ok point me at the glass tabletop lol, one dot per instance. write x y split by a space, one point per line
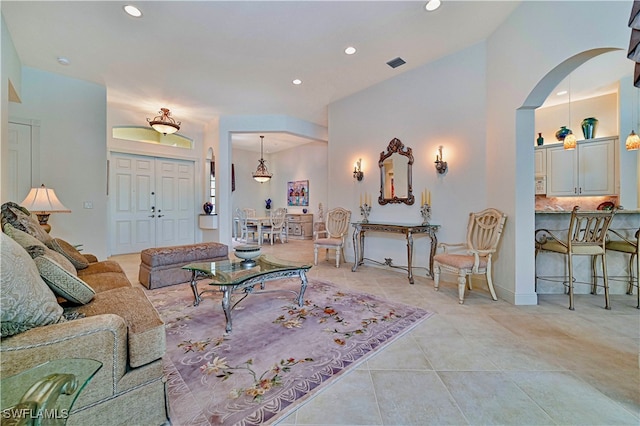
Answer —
232 272
15 387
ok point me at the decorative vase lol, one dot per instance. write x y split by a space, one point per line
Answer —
562 133
267 203
540 139
207 207
589 126
304 211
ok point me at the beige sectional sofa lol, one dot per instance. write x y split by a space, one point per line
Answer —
49 312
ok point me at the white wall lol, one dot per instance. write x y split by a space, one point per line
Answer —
519 56
73 158
306 162
442 103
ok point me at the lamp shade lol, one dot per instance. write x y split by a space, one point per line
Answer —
633 142
43 200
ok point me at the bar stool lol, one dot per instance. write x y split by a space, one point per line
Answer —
586 237
619 242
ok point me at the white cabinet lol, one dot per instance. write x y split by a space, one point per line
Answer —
540 156
588 170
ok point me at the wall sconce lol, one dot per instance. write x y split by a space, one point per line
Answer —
357 170
441 166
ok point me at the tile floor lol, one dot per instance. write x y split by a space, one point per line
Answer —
483 362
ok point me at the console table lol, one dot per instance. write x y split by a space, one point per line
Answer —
397 228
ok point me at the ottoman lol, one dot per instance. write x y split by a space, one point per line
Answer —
162 266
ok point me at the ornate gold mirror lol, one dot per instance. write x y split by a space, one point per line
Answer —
395 174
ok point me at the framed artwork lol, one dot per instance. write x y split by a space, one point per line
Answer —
298 193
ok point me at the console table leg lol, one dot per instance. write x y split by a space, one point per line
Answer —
410 256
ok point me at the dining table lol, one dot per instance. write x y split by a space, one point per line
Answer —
260 221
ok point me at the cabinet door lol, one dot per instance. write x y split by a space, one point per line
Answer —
561 172
596 168
540 157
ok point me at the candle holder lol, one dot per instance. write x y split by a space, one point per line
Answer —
425 211
365 209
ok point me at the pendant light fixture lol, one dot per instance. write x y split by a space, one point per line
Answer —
163 123
570 140
261 174
633 140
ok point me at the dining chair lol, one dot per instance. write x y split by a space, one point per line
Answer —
484 230
619 240
586 236
276 225
336 227
245 228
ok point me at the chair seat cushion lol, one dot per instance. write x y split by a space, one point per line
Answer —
459 261
622 246
328 242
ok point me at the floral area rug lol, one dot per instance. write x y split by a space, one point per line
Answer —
277 354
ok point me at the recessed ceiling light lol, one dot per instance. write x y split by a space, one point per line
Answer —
350 50
562 92
132 11
432 5
63 61
297 82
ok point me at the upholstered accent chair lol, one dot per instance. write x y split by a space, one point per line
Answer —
620 241
586 236
275 228
336 227
475 256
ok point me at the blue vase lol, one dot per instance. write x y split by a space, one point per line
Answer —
589 126
207 207
562 133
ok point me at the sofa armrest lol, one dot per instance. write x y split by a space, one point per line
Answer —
101 337
90 258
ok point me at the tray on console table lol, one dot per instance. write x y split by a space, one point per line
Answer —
360 228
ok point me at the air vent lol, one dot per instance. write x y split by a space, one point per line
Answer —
395 63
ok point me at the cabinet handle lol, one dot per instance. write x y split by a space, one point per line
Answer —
153 215
580 191
575 190
160 215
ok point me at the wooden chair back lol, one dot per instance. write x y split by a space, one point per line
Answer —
484 230
337 222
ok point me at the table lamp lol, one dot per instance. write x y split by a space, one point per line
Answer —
42 202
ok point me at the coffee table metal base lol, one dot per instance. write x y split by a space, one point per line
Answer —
248 287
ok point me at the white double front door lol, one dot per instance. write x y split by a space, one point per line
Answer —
152 202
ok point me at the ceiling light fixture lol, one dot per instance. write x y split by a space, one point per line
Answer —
261 174
350 50
163 123
297 82
132 11
63 61
432 5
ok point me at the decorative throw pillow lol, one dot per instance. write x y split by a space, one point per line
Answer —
62 282
36 248
20 218
25 301
68 251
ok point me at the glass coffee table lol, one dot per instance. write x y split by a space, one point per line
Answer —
241 276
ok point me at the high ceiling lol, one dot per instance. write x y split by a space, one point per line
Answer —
203 59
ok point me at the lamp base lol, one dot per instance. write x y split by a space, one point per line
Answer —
42 219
